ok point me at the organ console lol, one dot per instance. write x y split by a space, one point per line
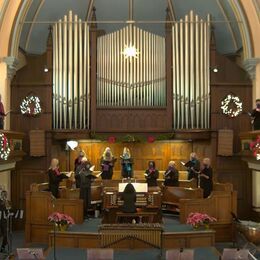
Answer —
148 202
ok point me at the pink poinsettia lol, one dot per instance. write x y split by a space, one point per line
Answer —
61 218
199 218
255 147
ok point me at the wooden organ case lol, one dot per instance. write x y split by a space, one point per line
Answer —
148 205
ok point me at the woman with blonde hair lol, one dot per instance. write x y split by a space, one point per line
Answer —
171 175
55 177
206 181
127 163
107 164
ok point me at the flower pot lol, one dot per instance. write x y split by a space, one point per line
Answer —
62 227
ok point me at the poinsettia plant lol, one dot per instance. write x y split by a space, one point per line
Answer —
255 147
197 218
61 219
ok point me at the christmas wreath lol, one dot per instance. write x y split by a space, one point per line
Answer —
231 105
5 150
31 106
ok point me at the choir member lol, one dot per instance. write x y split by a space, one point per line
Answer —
127 163
171 175
107 164
206 182
255 114
78 160
129 199
2 113
193 166
55 177
86 177
4 205
77 167
151 174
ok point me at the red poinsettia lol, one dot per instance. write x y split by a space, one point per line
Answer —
150 139
255 147
111 139
199 218
61 218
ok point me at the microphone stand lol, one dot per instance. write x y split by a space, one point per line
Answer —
9 232
54 230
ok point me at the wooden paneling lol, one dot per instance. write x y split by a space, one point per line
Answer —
160 152
132 120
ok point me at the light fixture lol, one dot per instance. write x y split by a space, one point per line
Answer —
45 69
72 144
130 52
215 69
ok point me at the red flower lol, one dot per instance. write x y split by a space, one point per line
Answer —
150 139
111 139
61 218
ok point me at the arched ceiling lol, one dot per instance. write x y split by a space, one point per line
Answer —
34 36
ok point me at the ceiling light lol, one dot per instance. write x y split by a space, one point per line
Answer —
215 69
130 52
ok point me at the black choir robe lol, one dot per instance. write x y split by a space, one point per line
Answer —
206 184
171 177
107 168
54 181
151 177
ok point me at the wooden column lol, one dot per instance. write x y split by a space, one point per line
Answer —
93 70
168 61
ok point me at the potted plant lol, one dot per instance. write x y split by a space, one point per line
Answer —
61 220
197 220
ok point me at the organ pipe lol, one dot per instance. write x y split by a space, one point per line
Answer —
71 76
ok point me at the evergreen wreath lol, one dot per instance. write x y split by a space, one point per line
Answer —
31 106
231 105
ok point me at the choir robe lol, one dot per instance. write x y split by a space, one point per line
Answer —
206 184
256 123
195 166
54 181
171 177
107 168
152 176
129 202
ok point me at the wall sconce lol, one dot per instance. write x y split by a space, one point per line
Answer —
45 69
215 69
72 144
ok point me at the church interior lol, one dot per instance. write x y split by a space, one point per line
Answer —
130 129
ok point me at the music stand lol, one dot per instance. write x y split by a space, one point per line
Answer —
29 253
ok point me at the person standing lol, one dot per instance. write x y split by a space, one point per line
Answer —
107 164
127 164
151 174
55 177
4 204
193 166
86 177
77 167
206 181
171 175
255 114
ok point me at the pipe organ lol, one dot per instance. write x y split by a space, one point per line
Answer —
131 81
136 82
71 77
191 83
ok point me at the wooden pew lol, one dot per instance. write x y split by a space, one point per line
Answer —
172 195
39 205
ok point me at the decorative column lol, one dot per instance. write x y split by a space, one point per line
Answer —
12 64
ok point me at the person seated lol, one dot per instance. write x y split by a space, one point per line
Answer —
171 175
86 177
127 163
107 164
206 181
151 174
129 198
55 177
